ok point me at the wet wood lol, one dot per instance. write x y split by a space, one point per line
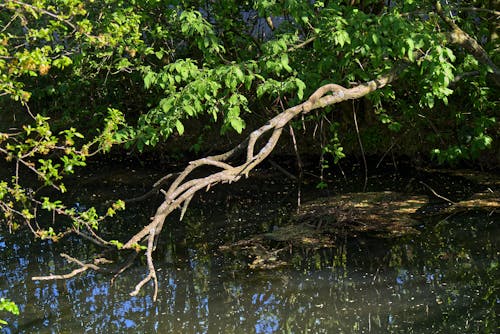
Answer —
321 221
381 212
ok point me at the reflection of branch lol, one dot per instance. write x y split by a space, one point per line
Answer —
83 267
435 193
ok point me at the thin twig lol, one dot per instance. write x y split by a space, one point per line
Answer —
151 269
360 146
385 153
153 191
43 11
83 267
299 166
282 170
127 265
183 188
301 45
436 194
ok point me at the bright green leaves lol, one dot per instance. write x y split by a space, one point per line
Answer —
438 72
62 62
301 86
35 38
341 37
49 170
189 91
385 118
39 141
335 26
232 118
68 135
333 146
479 143
116 243
277 66
7 306
51 156
180 127
194 25
91 218
111 134
276 61
279 88
51 206
149 78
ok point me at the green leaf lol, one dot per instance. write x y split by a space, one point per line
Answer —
237 124
118 244
301 86
284 62
149 79
123 63
9 306
239 74
179 126
159 54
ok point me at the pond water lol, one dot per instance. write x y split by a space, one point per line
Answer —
444 279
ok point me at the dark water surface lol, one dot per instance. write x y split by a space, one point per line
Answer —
444 280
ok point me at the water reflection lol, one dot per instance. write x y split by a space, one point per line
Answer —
443 280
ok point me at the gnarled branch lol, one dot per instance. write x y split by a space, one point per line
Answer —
182 189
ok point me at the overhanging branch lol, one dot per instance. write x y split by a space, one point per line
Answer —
182 189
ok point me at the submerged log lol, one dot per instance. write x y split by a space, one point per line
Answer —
387 213
488 201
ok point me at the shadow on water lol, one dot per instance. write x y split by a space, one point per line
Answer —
444 279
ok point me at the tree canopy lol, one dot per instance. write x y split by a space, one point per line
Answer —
80 78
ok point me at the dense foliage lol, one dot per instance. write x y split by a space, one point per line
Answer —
79 77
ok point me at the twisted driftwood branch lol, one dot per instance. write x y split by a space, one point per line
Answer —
182 189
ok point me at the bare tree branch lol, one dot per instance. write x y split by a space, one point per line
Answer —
183 189
83 267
